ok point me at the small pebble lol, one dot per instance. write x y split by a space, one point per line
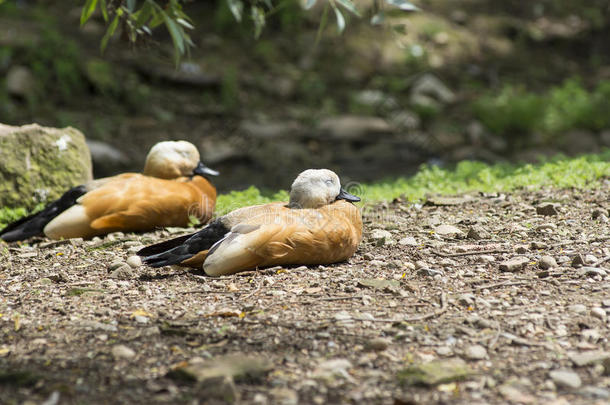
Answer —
378 344
515 264
547 209
590 259
547 262
598 313
577 308
123 352
408 241
565 378
475 352
597 212
134 261
486 259
115 265
124 272
538 245
578 261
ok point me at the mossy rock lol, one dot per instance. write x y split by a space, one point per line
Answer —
38 164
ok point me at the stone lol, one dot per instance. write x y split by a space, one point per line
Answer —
577 308
381 237
599 313
466 300
123 352
486 259
330 369
123 272
477 233
590 259
238 367
594 392
408 241
95 325
38 164
515 264
536 245
444 351
565 378
521 249
578 260
548 227
20 82
115 265
547 209
134 261
588 358
429 91
353 127
378 344
284 396
378 283
448 231
597 212
475 352
440 201
430 272
547 262
221 388
592 271
435 372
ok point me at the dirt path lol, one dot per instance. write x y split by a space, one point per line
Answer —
419 315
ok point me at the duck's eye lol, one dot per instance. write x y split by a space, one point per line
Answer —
329 183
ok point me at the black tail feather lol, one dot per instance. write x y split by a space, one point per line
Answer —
163 246
34 224
177 250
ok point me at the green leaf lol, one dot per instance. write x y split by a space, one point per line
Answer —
349 6
88 9
177 34
237 8
403 5
309 4
184 23
104 8
143 15
110 32
258 16
323 21
340 20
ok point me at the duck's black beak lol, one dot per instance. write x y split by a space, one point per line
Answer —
203 170
344 195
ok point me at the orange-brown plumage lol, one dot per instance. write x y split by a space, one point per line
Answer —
327 230
139 202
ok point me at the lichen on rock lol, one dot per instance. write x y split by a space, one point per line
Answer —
38 164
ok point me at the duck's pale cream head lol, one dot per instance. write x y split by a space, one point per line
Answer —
315 188
173 159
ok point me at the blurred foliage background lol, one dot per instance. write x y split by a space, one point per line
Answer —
290 85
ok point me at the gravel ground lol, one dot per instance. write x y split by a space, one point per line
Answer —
472 299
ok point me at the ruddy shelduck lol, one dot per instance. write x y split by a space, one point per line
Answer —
319 225
170 191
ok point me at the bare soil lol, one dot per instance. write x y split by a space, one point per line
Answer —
78 325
